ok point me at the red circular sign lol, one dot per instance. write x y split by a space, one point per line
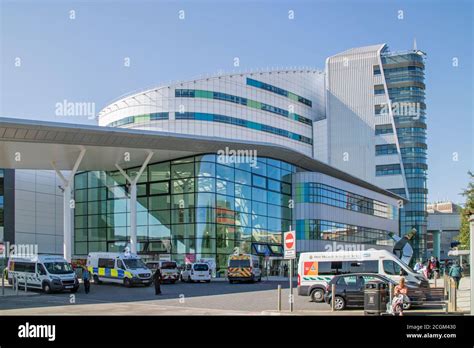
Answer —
289 240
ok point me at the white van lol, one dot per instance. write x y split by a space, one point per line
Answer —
316 269
196 272
243 267
122 268
47 272
169 270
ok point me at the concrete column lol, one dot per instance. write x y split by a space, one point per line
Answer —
133 217
67 231
68 184
436 243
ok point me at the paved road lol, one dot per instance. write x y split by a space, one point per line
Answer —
215 298
179 298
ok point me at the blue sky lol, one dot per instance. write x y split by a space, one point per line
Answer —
82 59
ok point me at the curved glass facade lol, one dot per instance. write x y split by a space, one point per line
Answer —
316 229
189 208
312 192
1 204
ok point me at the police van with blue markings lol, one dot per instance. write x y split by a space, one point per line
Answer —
122 268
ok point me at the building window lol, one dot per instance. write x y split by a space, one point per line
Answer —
279 91
325 194
383 129
192 208
379 90
385 149
315 229
242 123
388 169
189 93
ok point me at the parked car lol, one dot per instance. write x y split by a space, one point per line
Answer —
350 290
169 270
196 272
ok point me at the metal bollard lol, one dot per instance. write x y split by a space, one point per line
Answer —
390 293
17 286
445 282
279 298
25 284
454 291
3 285
333 296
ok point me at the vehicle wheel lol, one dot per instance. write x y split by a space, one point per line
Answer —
96 279
208 281
73 291
181 278
259 279
317 295
339 303
252 279
127 282
147 284
46 288
406 306
173 281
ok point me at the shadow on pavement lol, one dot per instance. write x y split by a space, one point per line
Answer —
114 293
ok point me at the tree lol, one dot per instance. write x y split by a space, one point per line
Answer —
466 212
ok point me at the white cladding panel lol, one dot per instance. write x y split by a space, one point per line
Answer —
38 210
308 84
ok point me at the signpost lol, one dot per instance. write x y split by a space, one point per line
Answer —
267 259
289 244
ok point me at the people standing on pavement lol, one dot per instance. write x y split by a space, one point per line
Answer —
437 268
157 281
418 266
86 278
425 271
431 266
456 273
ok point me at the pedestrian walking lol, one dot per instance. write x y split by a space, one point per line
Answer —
157 281
456 273
86 278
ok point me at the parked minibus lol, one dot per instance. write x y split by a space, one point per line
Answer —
50 273
316 269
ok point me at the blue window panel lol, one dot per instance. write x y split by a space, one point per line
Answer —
277 90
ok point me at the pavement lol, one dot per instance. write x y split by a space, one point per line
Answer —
463 299
215 298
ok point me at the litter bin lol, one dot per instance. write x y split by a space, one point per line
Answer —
375 297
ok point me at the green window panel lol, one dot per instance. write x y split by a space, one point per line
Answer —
254 104
203 94
142 118
292 96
